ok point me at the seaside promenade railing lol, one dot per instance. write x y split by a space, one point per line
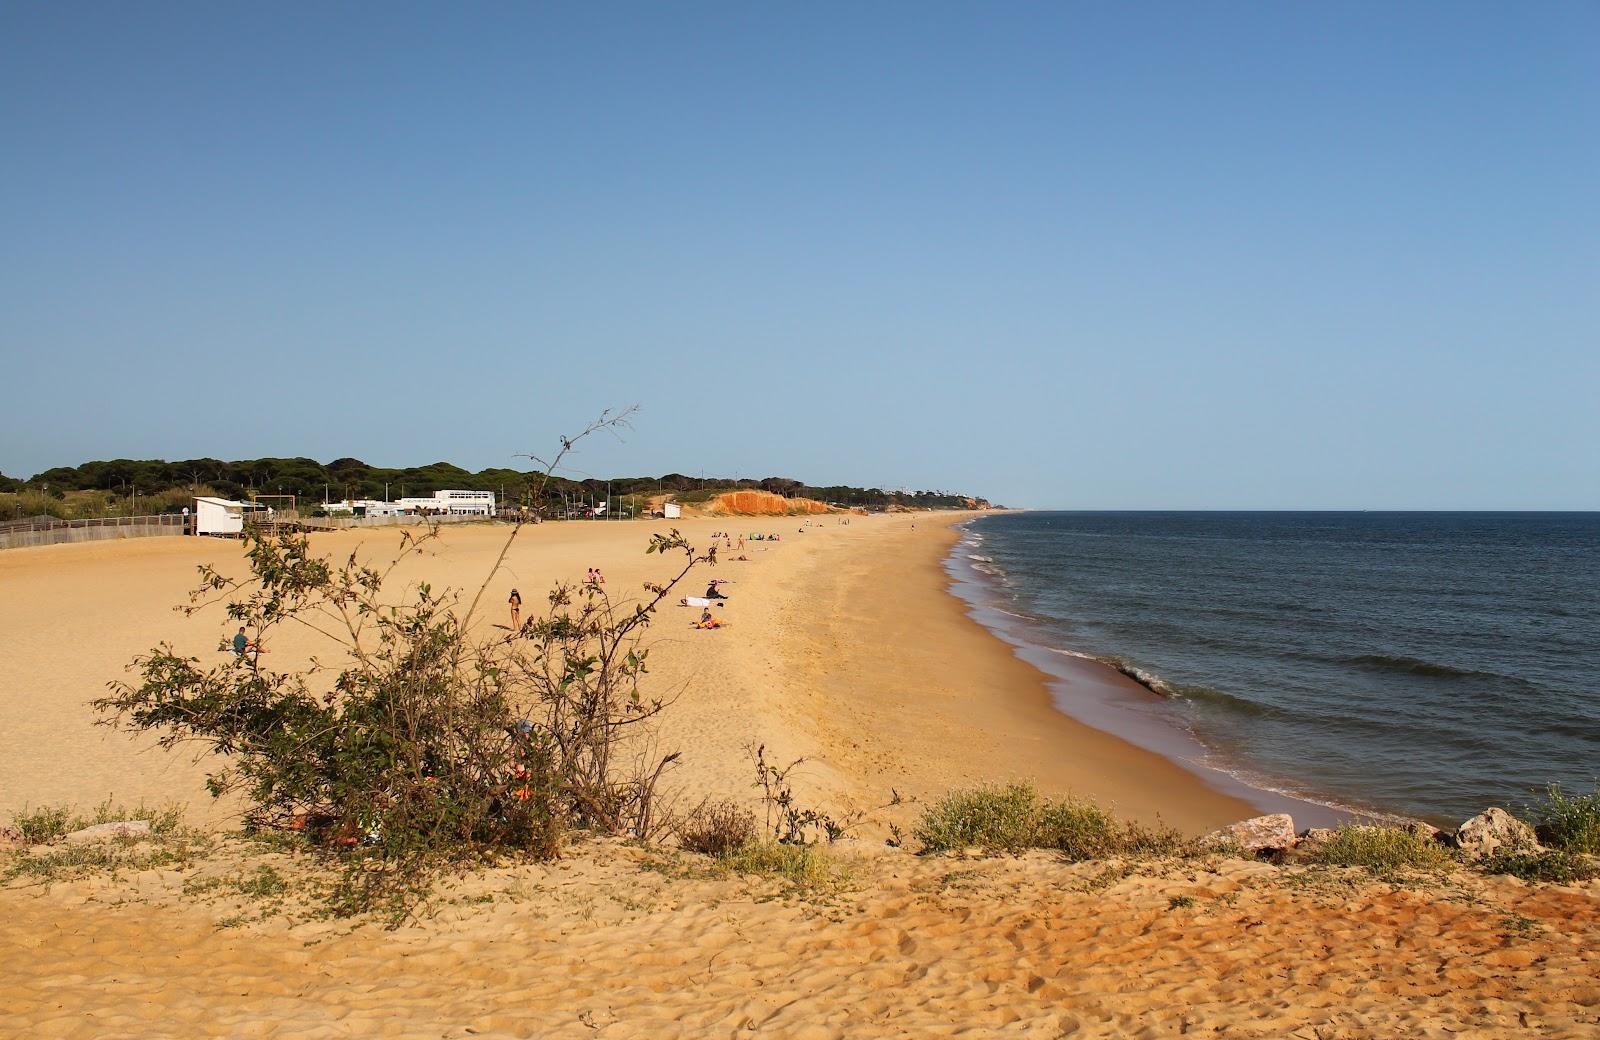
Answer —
52 531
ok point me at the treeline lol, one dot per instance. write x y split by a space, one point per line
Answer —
353 479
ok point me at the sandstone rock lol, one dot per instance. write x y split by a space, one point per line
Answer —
107 831
1494 830
1318 835
1262 832
1425 831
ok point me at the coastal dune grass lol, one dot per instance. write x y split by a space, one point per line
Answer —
1012 818
1382 850
1570 824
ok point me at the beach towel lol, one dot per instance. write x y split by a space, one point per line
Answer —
696 601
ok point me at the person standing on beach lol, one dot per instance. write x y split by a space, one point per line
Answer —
516 610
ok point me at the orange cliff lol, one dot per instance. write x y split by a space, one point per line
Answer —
765 503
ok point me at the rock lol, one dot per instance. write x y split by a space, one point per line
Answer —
1318 835
1425 831
106 831
1495 830
1262 832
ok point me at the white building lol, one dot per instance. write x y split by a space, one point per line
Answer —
363 507
453 503
221 516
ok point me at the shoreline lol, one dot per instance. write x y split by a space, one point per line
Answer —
846 648
1098 694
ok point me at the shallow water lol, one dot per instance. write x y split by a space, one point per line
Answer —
1424 664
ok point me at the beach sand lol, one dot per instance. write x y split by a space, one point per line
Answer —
844 649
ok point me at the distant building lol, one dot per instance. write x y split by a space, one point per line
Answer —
452 503
221 516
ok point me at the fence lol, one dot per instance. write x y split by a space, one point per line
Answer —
50 531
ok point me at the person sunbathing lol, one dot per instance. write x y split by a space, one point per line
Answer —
707 621
712 592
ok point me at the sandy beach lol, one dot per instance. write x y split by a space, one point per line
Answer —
845 649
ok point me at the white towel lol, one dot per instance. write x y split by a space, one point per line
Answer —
696 601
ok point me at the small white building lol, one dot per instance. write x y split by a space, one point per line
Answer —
220 516
671 510
452 503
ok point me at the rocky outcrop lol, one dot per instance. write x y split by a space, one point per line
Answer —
1253 835
1492 831
107 831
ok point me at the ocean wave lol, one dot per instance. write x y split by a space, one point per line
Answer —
980 559
1416 666
1175 691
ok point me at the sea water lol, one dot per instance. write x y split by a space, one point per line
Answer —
1417 664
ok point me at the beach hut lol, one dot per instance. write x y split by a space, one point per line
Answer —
219 516
671 510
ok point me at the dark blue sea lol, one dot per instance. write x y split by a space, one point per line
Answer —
1417 664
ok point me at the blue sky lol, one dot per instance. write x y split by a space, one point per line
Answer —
1070 255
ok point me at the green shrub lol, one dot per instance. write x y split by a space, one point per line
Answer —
997 819
1013 818
1570 824
1078 830
44 824
1557 865
1381 849
803 866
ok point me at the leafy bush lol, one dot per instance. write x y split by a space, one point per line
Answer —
1381 849
718 829
994 818
414 739
1557 865
1570 824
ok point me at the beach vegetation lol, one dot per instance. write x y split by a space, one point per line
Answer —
789 821
1382 850
170 844
1012 818
1568 822
803 867
1553 865
717 828
994 818
416 739
50 822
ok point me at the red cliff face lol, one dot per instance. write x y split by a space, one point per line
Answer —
764 503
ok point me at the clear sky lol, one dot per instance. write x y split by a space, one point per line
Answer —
1074 255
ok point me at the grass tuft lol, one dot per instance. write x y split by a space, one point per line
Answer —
1569 824
994 818
1556 865
1382 849
1014 818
